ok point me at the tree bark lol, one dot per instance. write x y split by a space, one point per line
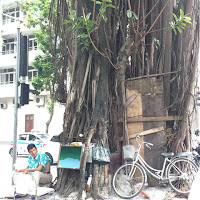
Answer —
122 48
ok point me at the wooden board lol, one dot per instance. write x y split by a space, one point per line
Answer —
147 132
153 119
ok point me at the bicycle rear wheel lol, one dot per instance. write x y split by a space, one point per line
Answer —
181 174
128 180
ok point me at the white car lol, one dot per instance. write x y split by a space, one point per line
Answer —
51 147
26 138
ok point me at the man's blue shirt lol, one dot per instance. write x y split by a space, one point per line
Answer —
41 158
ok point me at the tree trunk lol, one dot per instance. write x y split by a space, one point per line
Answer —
188 68
122 47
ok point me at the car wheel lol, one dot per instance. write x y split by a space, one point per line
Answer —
50 156
11 152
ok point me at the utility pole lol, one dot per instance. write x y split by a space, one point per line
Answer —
16 101
21 70
16 89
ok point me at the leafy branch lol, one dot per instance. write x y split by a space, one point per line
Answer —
180 22
85 26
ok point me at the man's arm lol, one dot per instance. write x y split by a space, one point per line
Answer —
39 168
21 170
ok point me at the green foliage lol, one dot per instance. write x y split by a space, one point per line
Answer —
84 25
37 17
45 78
50 106
180 22
131 14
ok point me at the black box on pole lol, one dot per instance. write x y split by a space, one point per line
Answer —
24 97
23 62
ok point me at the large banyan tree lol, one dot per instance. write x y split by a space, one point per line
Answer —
104 42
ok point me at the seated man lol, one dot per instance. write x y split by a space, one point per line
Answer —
38 166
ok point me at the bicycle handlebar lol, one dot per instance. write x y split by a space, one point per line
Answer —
139 144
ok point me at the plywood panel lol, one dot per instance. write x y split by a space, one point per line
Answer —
148 104
133 110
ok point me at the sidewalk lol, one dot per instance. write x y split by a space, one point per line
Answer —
155 193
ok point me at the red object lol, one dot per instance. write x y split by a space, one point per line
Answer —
42 145
115 162
146 195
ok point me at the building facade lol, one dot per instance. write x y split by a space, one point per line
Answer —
35 114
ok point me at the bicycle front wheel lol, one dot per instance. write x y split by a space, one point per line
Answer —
181 174
128 180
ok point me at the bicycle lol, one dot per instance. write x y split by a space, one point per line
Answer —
129 178
194 156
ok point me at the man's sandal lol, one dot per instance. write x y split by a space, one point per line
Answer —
19 196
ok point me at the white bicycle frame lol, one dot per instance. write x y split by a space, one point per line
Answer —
157 174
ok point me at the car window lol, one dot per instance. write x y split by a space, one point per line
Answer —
55 138
43 136
23 137
32 137
37 138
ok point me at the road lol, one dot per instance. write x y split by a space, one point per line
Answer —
6 165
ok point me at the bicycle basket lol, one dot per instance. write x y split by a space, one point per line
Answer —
129 152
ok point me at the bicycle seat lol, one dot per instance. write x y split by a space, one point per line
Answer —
183 154
168 155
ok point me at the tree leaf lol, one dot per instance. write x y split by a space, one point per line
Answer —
73 13
89 24
67 21
110 1
109 5
186 17
97 2
88 16
128 13
175 17
93 29
183 24
105 18
183 27
70 28
187 20
134 15
175 32
181 13
179 29
102 10
83 35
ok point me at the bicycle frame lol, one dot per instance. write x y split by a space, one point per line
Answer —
157 174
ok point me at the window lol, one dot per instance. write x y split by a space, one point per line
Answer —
31 73
9 46
22 137
32 43
7 76
14 12
32 137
